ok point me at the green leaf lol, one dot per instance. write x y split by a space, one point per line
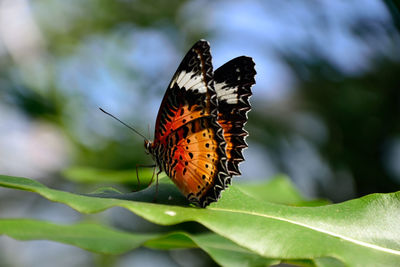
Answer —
88 236
93 175
101 239
328 262
279 190
227 253
359 232
222 250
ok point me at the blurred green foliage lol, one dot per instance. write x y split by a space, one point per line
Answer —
359 112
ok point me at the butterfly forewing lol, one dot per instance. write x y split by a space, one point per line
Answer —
187 96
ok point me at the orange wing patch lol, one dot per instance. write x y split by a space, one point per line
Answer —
194 159
234 135
176 118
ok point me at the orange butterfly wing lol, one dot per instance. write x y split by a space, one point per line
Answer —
189 144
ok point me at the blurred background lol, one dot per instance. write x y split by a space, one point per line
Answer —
326 106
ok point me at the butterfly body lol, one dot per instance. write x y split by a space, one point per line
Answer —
199 133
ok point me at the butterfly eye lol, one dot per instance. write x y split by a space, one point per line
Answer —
147 146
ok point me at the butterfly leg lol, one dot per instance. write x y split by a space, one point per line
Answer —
152 176
156 194
137 174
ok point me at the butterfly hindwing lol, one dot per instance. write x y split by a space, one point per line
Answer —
194 165
233 82
189 144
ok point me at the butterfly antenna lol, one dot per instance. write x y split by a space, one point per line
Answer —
109 114
148 129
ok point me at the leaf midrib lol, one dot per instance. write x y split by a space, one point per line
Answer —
358 242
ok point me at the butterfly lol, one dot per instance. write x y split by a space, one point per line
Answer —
199 135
